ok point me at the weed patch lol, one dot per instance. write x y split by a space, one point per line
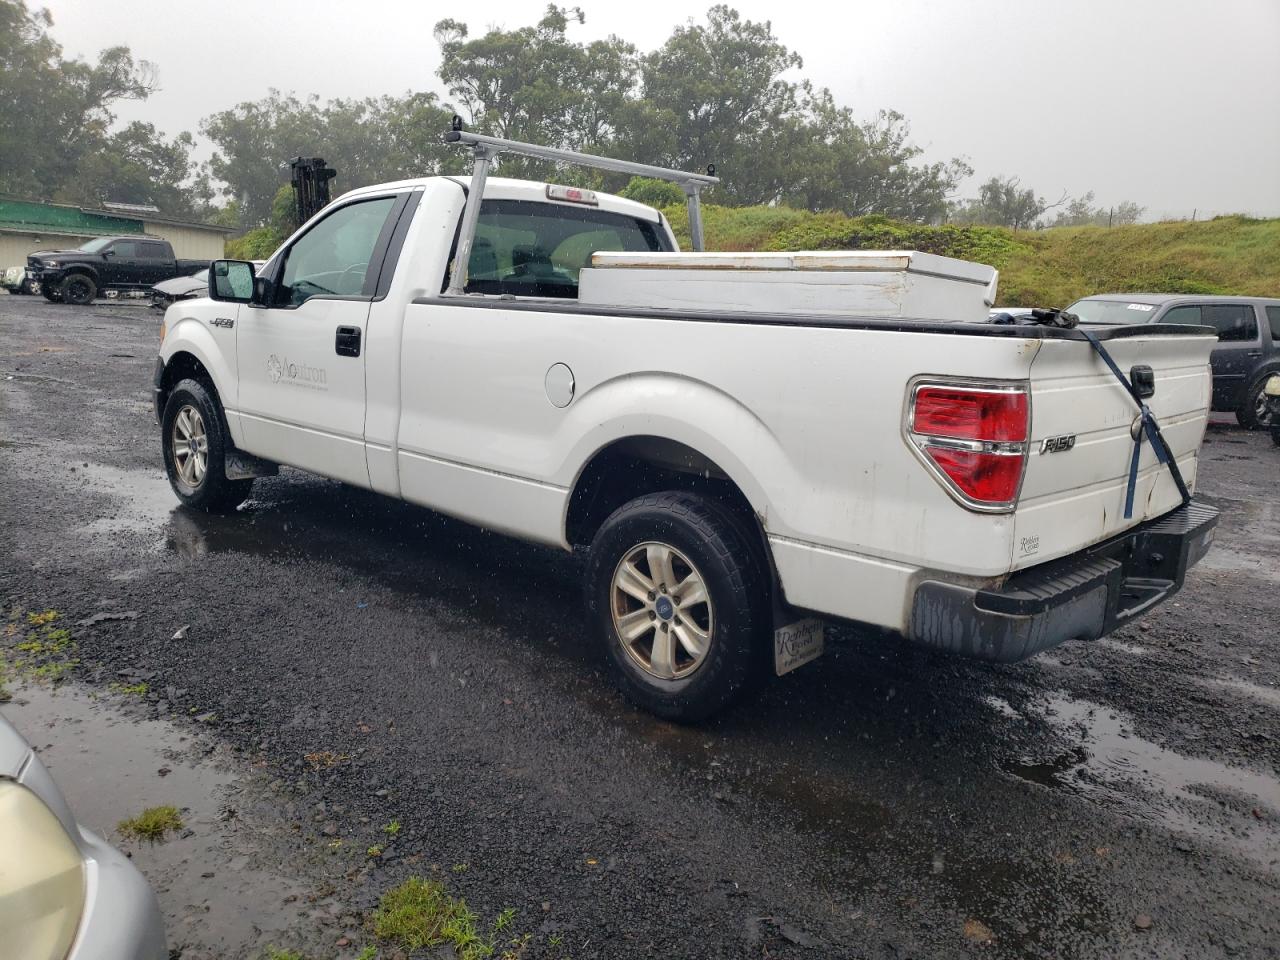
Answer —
129 689
37 648
152 824
420 913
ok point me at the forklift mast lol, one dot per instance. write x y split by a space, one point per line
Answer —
310 182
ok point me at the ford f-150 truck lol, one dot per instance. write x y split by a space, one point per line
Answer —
740 445
107 264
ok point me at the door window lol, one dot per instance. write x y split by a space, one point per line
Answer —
1189 315
332 259
1235 322
125 249
150 251
1273 317
530 249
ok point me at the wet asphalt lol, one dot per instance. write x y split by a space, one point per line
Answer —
1114 799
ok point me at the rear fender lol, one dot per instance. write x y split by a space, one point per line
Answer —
687 411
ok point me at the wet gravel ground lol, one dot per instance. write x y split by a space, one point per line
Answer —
1115 799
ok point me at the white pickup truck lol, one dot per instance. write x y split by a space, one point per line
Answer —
732 468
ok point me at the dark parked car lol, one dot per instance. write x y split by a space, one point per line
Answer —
107 263
1248 350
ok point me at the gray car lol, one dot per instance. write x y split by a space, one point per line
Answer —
65 894
1248 350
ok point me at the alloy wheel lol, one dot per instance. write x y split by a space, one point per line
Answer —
662 612
190 446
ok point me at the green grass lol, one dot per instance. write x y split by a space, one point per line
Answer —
129 689
420 913
44 652
1227 255
152 824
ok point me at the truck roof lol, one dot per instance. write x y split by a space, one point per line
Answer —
503 188
1160 299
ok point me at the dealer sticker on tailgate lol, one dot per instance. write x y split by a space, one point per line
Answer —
796 644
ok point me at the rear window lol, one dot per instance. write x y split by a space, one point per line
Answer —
528 249
1115 312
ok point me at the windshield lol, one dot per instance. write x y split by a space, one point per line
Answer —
95 245
1115 312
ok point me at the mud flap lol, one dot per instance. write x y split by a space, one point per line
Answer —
242 466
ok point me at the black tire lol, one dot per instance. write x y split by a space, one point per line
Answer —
207 488
1275 434
78 289
1254 412
720 549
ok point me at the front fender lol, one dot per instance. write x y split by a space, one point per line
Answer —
187 333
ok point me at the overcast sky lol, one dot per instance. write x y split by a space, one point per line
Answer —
1174 104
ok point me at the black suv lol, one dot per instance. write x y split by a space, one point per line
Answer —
1248 350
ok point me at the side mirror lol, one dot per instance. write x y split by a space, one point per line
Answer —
108 253
231 281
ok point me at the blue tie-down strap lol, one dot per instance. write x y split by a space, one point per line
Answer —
1150 429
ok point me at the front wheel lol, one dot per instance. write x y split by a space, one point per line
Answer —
195 448
677 593
78 289
1255 411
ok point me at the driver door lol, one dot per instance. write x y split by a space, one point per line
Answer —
301 357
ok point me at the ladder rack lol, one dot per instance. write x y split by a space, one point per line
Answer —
485 150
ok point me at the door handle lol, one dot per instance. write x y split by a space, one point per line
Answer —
1254 353
347 342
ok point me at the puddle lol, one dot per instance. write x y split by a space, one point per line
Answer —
1002 707
1110 765
1254 691
143 497
220 895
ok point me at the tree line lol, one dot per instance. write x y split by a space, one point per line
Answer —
718 91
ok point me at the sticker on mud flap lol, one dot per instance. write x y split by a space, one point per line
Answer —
796 644
1144 307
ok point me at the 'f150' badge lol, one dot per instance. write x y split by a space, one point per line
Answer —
1058 444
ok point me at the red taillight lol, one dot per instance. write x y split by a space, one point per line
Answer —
987 477
971 414
974 438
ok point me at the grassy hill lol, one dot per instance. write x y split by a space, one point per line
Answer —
1228 255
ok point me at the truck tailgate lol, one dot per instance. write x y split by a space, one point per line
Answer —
1073 495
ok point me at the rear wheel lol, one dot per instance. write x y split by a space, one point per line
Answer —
677 594
195 447
78 289
1255 411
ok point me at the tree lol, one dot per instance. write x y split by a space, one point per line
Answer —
55 112
136 165
1003 202
721 87
366 141
536 84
